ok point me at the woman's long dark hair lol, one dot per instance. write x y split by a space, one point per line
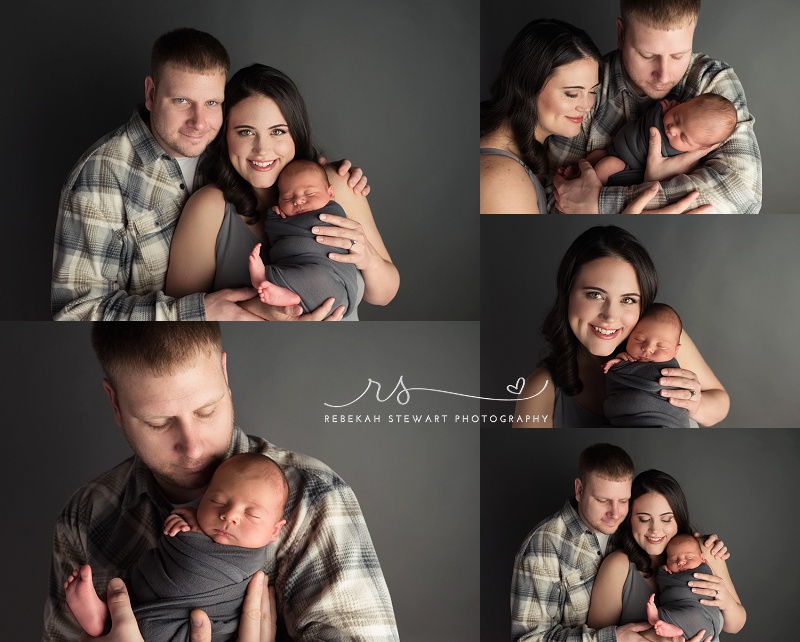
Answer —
257 80
651 481
533 56
595 243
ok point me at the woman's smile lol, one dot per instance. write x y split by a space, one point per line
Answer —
262 166
606 333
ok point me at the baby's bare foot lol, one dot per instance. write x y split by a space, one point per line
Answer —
258 273
667 630
89 610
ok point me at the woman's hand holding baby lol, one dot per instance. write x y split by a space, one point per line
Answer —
347 234
688 393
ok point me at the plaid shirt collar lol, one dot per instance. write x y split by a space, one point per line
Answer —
144 143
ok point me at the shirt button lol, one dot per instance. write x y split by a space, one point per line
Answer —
183 186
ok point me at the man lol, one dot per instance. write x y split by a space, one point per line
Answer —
555 567
168 388
654 60
122 200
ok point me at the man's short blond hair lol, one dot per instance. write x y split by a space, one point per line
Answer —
660 14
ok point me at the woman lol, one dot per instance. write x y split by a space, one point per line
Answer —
605 281
545 87
266 126
627 577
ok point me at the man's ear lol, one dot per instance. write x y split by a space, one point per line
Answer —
225 371
620 33
149 92
578 488
112 396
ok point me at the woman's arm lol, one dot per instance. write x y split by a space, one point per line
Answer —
536 400
721 593
605 608
506 187
192 254
368 254
710 403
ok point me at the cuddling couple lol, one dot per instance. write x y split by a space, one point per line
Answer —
649 124
159 220
622 562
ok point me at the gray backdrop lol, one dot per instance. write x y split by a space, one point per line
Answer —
732 279
417 483
740 487
388 85
758 39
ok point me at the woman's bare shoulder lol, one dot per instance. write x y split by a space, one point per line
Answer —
506 187
536 401
207 196
617 561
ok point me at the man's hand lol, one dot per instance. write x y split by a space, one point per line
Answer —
123 623
355 176
715 545
663 168
637 205
579 195
631 632
222 305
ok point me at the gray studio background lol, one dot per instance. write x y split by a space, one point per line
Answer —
390 86
736 487
758 39
733 280
417 483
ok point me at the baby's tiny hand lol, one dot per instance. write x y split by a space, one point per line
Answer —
610 364
175 524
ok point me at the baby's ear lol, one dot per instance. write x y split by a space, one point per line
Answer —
277 529
330 191
678 347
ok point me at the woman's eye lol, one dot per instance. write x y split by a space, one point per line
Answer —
278 132
594 295
569 95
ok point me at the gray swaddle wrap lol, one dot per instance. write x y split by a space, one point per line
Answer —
633 397
191 571
681 607
631 144
299 263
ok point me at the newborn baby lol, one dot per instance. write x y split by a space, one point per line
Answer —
633 393
705 121
681 613
296 261
205 558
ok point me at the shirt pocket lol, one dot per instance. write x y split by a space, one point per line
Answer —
578 588
151 233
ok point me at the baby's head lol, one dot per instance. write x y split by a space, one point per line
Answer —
303 186
701 121
683 554
657 335
244 503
